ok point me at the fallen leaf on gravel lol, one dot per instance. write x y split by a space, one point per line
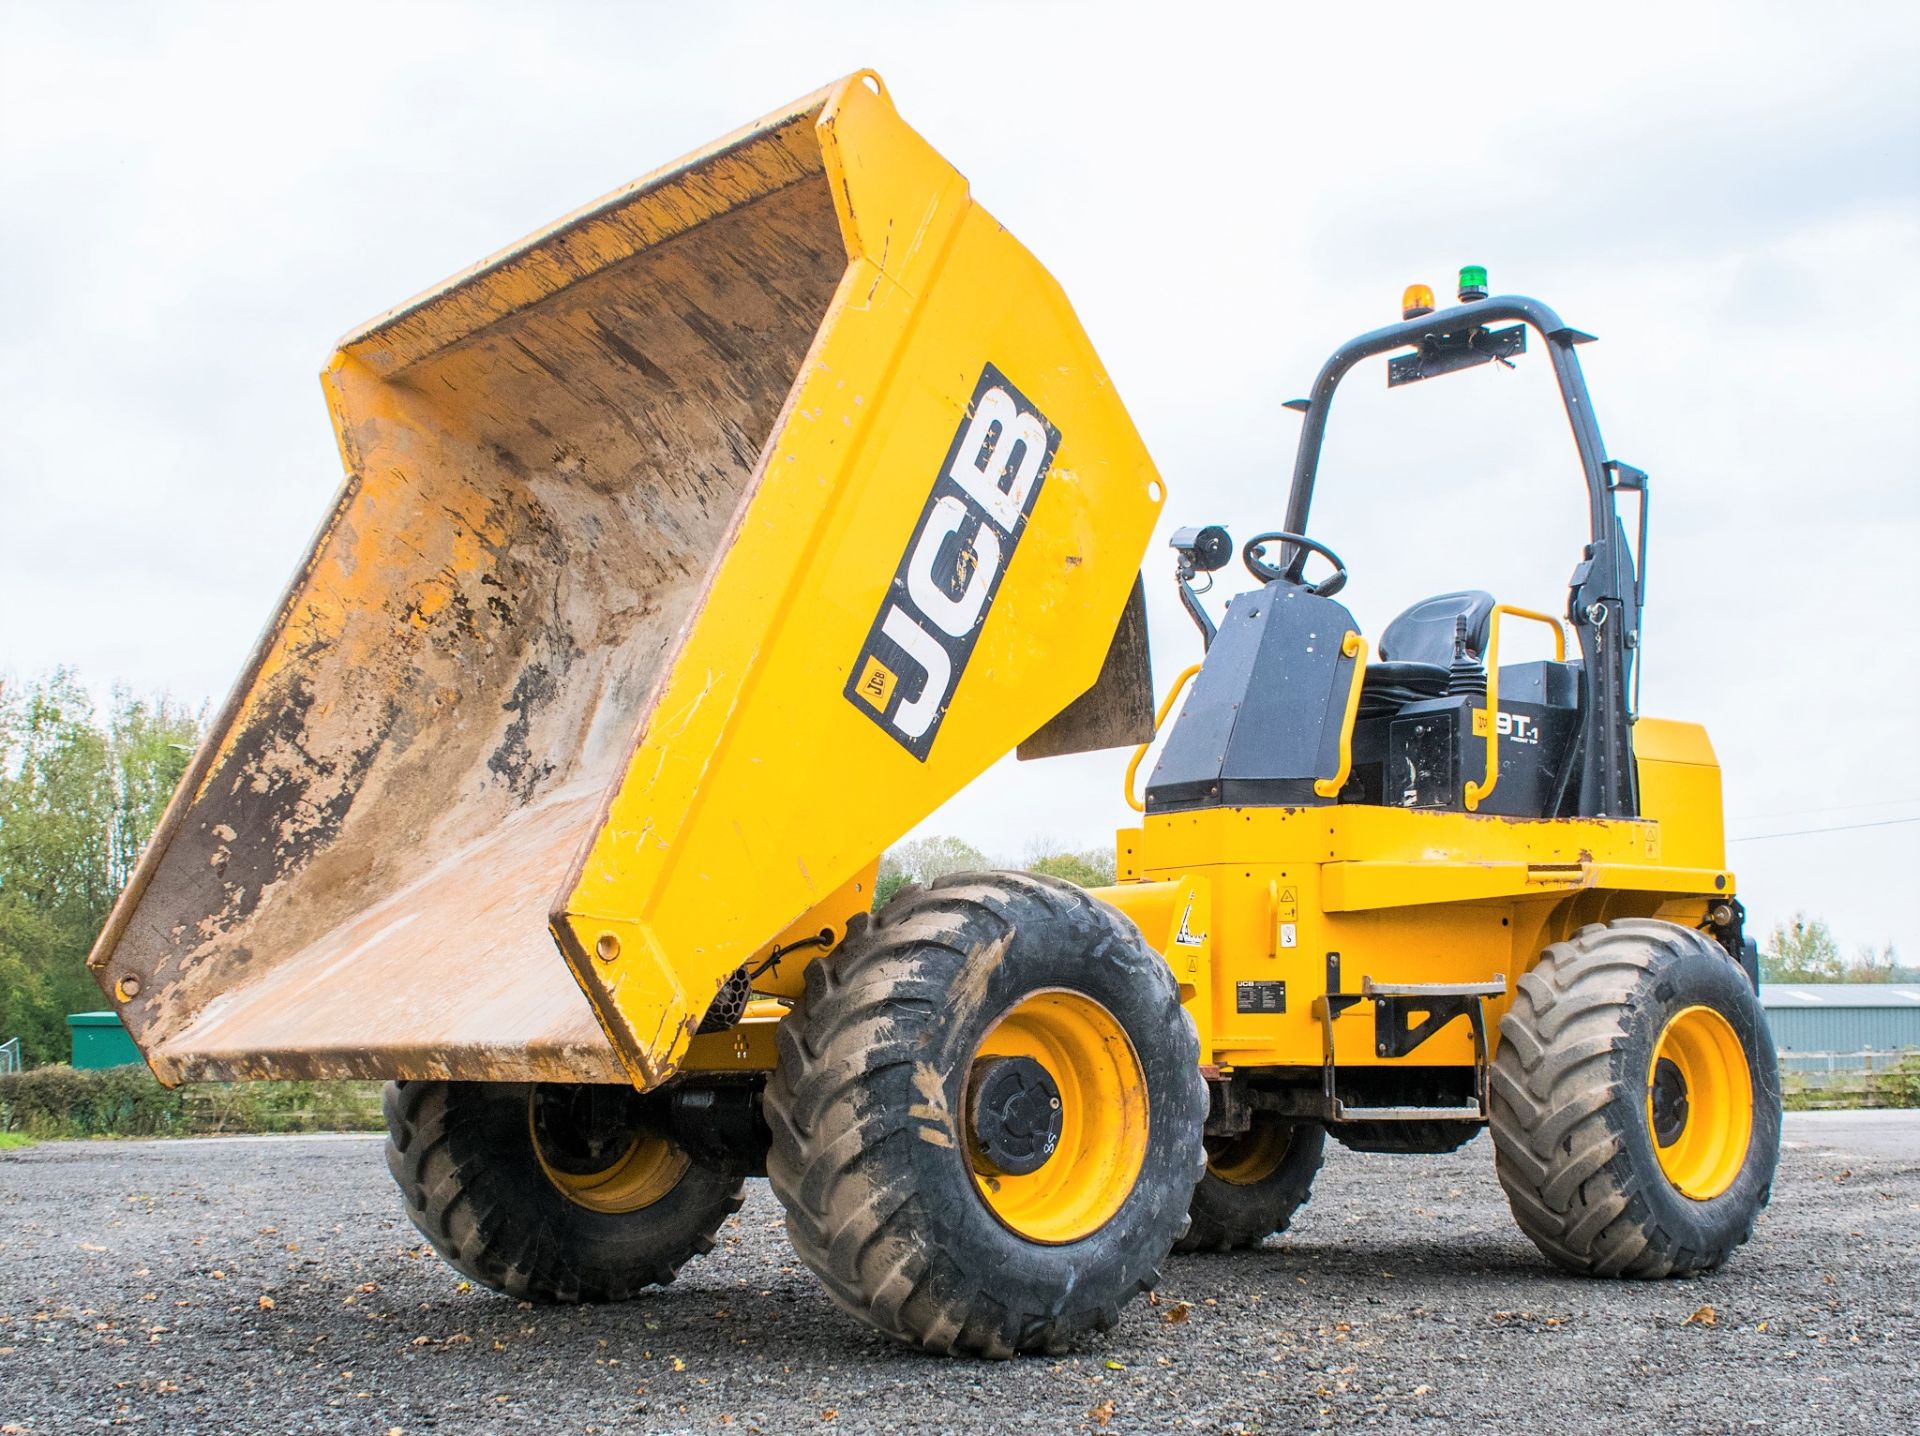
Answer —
463 1286
90 1247
1102 1414
1423 1391
1704 1316
423 1341
266 1303
1761 1327
678 1364
1843 1175
1176 1313
217 1274
831 1413
1113 1365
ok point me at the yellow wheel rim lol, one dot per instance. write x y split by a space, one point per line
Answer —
639 1174
1103 1118
1700 1102
1251 1157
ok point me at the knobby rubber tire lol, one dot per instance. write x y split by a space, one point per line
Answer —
871 1163
1572 1141
1230 1216
1411 1135
463 1155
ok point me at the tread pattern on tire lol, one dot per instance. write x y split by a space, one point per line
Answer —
483 1218
836 1158
1559 1152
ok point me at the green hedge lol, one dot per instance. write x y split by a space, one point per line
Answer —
128 1102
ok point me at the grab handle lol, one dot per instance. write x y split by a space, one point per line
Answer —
1355 647
1166 705
1486 721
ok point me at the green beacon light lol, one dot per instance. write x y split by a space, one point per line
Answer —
1473 282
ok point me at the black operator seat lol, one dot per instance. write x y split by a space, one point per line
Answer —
1417 648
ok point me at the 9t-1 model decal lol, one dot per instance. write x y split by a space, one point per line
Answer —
943 589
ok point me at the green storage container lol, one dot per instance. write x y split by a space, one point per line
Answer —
99 1040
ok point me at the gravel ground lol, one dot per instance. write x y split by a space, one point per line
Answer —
273 1285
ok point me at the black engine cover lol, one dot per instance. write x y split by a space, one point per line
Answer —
1263 720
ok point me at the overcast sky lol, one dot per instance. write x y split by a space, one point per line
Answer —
196 200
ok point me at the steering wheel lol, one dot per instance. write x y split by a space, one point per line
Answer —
1250 555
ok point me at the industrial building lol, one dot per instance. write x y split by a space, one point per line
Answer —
1842 1017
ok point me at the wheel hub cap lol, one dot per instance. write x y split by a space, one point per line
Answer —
1014 1117
1669 1102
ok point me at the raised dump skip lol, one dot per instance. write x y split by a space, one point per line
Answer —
577 654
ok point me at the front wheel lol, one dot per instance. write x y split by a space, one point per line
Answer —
987 1116
1636 1102
552 1192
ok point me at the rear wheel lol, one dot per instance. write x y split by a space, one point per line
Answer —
1254 1184
552 1192
987 1116
1636 1102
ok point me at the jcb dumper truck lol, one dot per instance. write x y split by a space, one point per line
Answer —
693 550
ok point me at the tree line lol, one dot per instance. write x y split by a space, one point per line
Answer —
80 793
1804 950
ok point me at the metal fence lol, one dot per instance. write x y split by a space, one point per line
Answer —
1819 1064
10 1055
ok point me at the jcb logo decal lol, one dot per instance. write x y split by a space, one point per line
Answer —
944 586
